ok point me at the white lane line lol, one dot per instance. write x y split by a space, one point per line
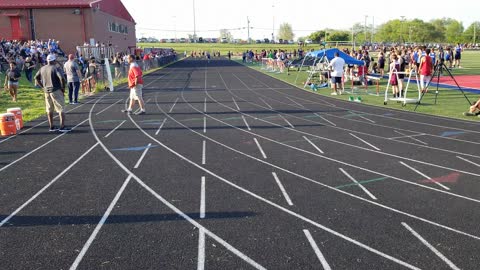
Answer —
246 123
161 126
215 237
407 136
363 117
268 105
47 186
202 199
204 124
38 148
316 147
173 106
471 162
296 102
424 175
410 137
142 156
360 185
205 106
397 211
284 119
108 107
319 254
282 188
100 224
325 119
432 248
204 152
260 148
113 130
236 104
201 249
365 142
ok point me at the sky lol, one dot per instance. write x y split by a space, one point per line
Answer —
174 19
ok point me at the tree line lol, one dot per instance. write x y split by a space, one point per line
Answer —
444 30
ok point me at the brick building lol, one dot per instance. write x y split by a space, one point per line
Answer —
72 22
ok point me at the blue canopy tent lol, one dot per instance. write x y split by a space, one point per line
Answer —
326 55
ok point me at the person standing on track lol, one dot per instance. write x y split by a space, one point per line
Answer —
72 70
337 64
135 83
51 79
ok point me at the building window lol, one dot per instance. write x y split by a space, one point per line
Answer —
117 28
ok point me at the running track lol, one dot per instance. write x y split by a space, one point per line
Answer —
232 169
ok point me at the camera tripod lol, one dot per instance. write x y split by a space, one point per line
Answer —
436 74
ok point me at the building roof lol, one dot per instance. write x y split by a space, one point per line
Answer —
112 7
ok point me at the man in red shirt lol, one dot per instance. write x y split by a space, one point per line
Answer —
426 68
135 83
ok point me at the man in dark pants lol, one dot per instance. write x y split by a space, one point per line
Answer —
51 80
72 70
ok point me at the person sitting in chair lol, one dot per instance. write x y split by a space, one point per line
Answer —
474 109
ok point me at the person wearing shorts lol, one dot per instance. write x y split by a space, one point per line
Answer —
135 83
337 65
51 80
11 80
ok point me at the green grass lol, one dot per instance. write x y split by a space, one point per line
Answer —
451 103
225 47
31 99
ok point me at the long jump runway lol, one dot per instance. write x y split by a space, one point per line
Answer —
232 169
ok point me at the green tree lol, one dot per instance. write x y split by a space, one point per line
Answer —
317 36
454 32
285 32
339 36
471 33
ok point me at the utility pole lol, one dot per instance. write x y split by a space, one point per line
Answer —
194 25
273 25
365 27
248 29
402 27
373 29
474 33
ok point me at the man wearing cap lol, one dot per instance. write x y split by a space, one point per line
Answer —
72 70
51 80
135 83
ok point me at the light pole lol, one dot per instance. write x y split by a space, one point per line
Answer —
402 27
194 25
175 26
273 24
373 30
365 27
248 29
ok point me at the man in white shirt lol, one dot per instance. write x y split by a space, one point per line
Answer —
336 65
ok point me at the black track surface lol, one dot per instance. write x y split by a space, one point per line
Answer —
79 200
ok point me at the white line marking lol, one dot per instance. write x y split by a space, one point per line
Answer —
325 119
260 148
202 199
204 152
363 117
282 188
471 162
205 106
411 137
38 148
47 186
424 175
268 105
407 136
161 126
296 102
367 143
432 248
290 124
175 103
360 185
108 107
166 202
100 225
246 123
113 130
316 147
316 182
204 124
236 104
142 156
201 249
319 254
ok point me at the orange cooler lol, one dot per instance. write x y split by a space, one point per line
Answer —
18 117
7 124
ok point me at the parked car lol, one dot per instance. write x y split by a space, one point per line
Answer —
224 40
308 41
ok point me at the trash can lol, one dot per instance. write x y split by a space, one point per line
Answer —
18 117
7 124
